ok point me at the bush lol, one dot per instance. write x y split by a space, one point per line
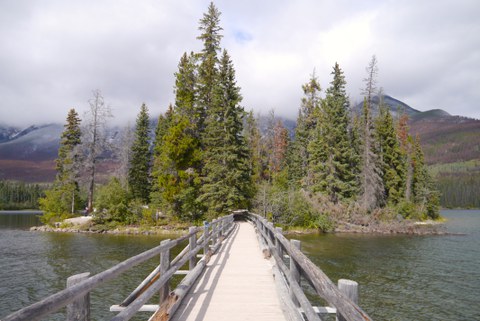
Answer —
111 203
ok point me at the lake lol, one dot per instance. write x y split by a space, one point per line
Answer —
400 277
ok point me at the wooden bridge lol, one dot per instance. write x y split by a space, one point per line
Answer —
242 274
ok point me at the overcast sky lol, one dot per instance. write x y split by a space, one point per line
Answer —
53 53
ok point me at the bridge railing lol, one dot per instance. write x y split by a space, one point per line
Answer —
76 296
275 244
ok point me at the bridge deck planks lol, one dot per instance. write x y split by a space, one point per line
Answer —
238 285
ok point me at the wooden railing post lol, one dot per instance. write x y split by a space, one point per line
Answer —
350 289
278 245
78 310
164 266
205 238
214 231
294 272
192 244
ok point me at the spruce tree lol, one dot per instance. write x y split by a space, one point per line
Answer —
226 178
392 159
207 70
330 149
426 196
158 166
299 171
141 158
64 197
253 139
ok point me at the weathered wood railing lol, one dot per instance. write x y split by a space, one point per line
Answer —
275 244
76 296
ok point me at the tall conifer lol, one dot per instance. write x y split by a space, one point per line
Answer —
227 178
330 149
141 158
391 157
308 114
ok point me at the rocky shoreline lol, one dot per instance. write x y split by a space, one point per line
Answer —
85 225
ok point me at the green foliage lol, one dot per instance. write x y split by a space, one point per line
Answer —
64 196
226 181
391 157
139 170
330 148
20 195
56 204
176 173
459 189
112 203
298 155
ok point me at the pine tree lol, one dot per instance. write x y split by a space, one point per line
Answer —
139 171
426 197
207 70
391 157
226 179
253 139
330 149
307 119
185 90
64 197
158 166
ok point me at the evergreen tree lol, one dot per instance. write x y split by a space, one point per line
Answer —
392 159
307 119
253 139
64 197
426 197
176 179
141 158
185 90
158 166
330 149
207 70
227 179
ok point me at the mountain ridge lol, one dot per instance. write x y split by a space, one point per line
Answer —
445 139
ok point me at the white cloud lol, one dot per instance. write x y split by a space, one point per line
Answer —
55 52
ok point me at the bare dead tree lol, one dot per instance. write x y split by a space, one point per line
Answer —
94 139
123 153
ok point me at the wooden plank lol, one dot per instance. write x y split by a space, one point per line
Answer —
233 289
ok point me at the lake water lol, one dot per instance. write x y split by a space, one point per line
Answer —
400 277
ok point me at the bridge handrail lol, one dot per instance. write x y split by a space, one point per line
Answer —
55 302
323 286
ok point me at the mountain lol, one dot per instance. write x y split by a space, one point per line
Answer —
396 106
29 154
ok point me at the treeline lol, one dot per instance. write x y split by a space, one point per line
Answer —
209 156
19 195
198 166
342 166
459 190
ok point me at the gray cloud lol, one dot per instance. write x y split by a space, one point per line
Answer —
54 53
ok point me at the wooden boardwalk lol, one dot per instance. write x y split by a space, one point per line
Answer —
238 285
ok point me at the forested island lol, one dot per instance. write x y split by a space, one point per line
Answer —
339 170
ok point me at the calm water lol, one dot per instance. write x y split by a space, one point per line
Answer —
36 264
408 277
400 277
